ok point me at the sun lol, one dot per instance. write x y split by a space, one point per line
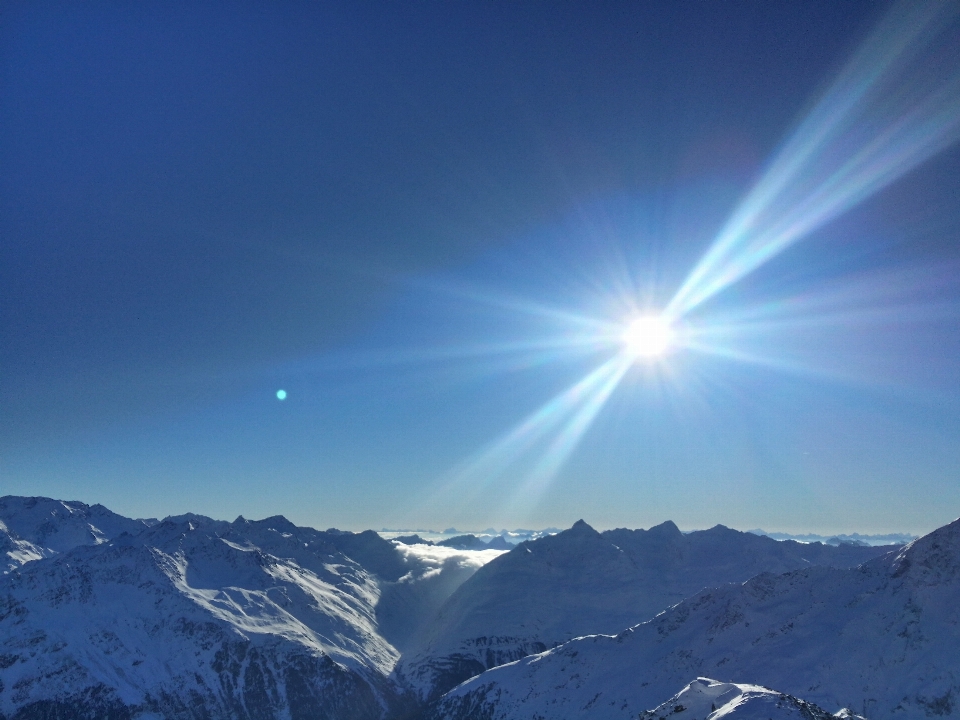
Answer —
648 337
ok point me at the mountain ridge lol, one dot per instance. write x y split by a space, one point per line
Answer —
596 583
103 616
881 636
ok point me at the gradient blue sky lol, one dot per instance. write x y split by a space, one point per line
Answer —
372 205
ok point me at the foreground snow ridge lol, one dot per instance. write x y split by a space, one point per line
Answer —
706 699
702 699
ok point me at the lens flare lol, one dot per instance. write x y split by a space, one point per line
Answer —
522 439
566 441
896 104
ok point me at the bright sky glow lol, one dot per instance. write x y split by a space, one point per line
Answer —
648 337
895 104
886 112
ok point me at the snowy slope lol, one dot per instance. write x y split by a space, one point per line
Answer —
195 617
192 617
180 622
579 582
35 527
882 638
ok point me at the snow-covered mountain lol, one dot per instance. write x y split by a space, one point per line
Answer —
101 615
179 621
35 527
881 638
580 582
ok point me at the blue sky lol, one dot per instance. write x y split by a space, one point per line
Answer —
413 219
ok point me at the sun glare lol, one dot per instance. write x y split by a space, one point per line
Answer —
648 337
892 107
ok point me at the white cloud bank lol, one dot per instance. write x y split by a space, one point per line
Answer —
426 561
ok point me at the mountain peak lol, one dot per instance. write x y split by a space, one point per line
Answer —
668 528
935 556
578 532
718 528
278 523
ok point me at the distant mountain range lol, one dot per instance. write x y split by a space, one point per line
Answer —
189 617
842 539
514 537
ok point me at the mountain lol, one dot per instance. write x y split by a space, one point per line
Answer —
35 527
180 621
881 638
498 542
195 617
464 542
190 617
579 582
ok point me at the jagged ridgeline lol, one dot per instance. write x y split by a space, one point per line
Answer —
189 617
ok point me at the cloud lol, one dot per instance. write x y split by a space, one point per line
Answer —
427 561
